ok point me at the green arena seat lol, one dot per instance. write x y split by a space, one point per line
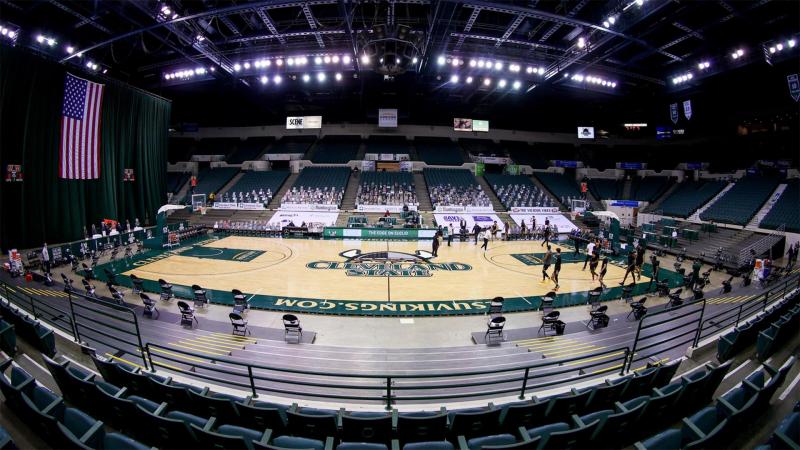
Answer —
737 405
666 440
785 210
524 414
741 202
79 430
364 426
474 422
421 426
787 434
6 443
439 152
690 196
311 422
14 380
336 149
8 338
563 186
704 429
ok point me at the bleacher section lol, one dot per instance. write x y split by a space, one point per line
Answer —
318 185
289 145
742 201
451 187
562 186
249 150
439 152
605 189
786 210
336 150
517 191
176 180
690 196
648 189
216 146
212 180
386 188
255 187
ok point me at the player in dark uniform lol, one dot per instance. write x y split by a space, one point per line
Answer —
546 234
593 264
557 267
546 261
631 267
603 270
639 260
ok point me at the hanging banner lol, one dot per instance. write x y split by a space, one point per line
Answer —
794 86
128 175
687 109
387 118
13 172
673 112
303 122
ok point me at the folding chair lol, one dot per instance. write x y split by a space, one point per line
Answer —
149 306
187 314
67 283
88 272
291 328
166 290
200 299
117 296
138 284
90 290
727 286
638 309
240 303
598 318
239 325
627 292
496 306
594 297
549 322
494 330
547 302
675 298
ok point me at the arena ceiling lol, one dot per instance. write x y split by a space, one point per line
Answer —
473 51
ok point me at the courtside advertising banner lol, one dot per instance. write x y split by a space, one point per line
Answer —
387 118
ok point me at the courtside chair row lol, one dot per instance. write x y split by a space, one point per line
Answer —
31 330
712 426
749 332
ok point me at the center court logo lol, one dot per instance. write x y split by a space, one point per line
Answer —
388 264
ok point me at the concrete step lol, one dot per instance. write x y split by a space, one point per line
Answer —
422 192
773 199
276 201
349 197
497 205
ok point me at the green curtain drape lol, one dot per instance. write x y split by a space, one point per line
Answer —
44 207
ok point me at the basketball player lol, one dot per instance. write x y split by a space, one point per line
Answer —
603 270
630 268
655 263
546 236
485 234
546 263
639 260
593 264
589 254
557 267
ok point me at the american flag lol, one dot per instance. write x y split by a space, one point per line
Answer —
80 129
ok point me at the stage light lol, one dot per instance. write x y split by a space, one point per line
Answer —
581 42
514 68
639 2
263 80
364 59
440 60
498 65
606 24
335 59
266 63
306 77
212 68
454 78
517 85
40 39
779 46
501 83
455 62
481 64
529 70
321 77
200 38
70 49
791 42
740 52
487 81
338 76
289 61
327 59
414 60
398 61
612 20
12 34
614 84
89 64
199 71
473 63
346 59
246 65
704 65
469 80
51 42
277 79
237 67
541 70
257 64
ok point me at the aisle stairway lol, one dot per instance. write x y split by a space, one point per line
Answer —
497 205
626 188
349 198
773 199
656 205
276 201
422 192
695 217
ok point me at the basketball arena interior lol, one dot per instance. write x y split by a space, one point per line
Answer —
399 224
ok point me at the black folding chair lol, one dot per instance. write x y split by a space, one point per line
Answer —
67 283
549 322
239 324
638 310
90 290
598 318
727 286
88 272
494 330
292 329
149 306
496 306
187 314
111 277
675 298
117 296
138 284
166 290
547 302
200 298
240 303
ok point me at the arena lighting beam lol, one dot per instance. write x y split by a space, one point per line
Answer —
226 10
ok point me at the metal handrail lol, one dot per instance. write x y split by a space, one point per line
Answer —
39 308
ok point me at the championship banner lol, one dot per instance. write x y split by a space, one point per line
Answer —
794 86
127 175
687 109
673 112
387 118
13 172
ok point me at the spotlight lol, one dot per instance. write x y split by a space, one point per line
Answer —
614 85
498 65
335 59
199 71
440 60
277 79
200 38
364 59
398 61
469 80
212 68
338 76
89 64
779 47
606 24
517 85
317 60
70 49
455 62
612 20
346 59
501 83
12 34
481 64
639 2
581 42
257 64
279 62
473 63
414 60
237 67
541 70
454 79
529 70
246 65
791 42
289 61
263 80
40 39
266 63
321 77
740 52
327 59
487 81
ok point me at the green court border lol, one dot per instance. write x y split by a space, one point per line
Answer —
371 308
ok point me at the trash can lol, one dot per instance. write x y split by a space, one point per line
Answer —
560 327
